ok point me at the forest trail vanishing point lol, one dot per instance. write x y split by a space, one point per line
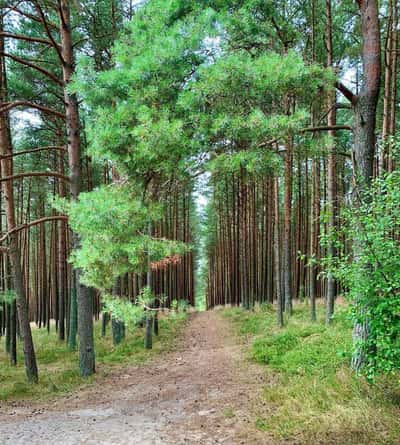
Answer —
201 393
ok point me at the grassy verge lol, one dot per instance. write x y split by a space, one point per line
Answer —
311 396
58 366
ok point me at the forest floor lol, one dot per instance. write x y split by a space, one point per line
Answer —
311 396
203 392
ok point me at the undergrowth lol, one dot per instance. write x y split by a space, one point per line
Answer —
58 366
311 396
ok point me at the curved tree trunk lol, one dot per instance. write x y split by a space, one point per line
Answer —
14 252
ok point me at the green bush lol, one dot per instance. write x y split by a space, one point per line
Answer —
370 274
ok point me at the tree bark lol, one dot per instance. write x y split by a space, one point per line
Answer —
277 265
287 229
364 104
393 87
148 336
364 109
331 176
117 326
62 258
14 252
84 295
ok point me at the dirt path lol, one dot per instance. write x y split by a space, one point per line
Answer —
200 394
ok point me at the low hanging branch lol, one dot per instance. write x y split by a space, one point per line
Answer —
267 143
43 19
336 106
349 95
30 174
327 128
34 150
6 106
35 67
308 130
33 223
26 14
25 38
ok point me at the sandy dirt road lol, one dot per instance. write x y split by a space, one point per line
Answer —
204 392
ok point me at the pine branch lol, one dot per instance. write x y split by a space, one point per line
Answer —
267 143
27 15
33 223
34 150
349 95
6 106
35 67
34 174
56 46
327 128
10 35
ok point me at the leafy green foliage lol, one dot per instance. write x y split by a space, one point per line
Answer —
7 296
178 99
135 121
371 274
179 306
236 105
130 313
112 223
179 90
123 310
258 162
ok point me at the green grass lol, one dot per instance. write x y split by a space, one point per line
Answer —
229 413
311 396
58 366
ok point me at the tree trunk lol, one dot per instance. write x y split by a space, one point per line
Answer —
393 88
14 252
277 265
364 106
117 326
62 258
104 322
287 229
13 333
148 336
314 229
73 314
331 176
84 295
